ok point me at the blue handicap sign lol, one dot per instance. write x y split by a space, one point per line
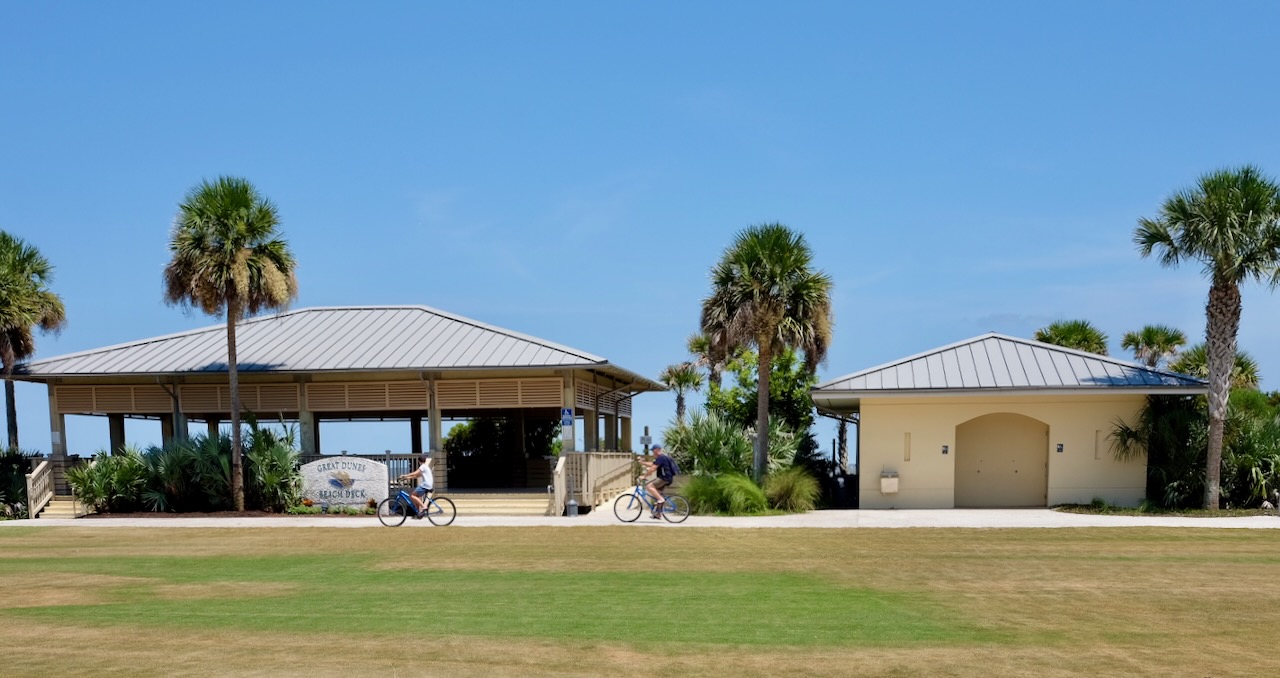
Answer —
566 416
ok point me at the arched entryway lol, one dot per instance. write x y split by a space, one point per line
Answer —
1002 460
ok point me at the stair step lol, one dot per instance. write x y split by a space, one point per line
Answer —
62 507
497 504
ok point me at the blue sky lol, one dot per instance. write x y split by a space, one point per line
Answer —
571 170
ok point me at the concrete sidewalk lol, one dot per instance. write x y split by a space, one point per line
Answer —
942 518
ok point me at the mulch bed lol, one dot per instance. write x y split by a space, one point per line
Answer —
216 514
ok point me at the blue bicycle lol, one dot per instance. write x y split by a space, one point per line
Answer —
394 510
629 507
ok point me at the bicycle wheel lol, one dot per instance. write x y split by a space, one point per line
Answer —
441 511
392 512
628 508
675 508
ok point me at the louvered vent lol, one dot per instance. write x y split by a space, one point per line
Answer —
366 396
326 397
499 393
541 392
248 397
407 395
151 399
278 397
586 394
112 399
74 399
456 394
200 398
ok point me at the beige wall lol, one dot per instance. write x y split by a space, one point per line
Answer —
907 435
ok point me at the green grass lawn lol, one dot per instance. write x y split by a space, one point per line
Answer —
594 601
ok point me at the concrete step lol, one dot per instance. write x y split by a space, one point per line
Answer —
63 507
500 504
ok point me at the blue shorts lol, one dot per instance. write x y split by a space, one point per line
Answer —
421 491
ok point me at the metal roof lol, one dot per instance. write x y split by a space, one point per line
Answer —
338 339
997 362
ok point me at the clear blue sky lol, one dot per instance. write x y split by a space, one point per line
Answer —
571 170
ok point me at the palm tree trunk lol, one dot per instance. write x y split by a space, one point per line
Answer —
842 431
1223 316
11 411
233 376
680 407
764 370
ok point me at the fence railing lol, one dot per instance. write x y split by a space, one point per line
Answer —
39 488
591 478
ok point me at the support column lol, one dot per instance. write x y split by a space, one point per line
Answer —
307 429
57 445
115 430
415 434
435 439
179 420
166 429
611 432
57 427
212 423
591 430
626 435
568 437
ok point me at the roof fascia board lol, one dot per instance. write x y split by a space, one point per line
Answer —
950 393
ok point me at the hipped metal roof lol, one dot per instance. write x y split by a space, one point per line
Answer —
341 339
995 362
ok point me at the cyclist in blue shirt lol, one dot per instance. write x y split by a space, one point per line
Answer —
665 471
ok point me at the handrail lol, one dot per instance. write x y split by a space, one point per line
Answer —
39 488
590 478
558 499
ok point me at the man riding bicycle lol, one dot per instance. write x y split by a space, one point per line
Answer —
664 468
426 483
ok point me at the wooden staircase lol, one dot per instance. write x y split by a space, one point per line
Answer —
63 507
498 503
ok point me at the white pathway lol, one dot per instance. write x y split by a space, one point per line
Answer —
945 518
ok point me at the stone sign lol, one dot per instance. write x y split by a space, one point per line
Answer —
349 481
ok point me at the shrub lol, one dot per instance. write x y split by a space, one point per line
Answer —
709 445
712 445
112 483
169 469
274 482
14 467
792 490
730 494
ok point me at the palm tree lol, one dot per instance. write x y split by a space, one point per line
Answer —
700 348
25 303
764 293
1230 223
228 259
681 377
1154 343
1195 362
1078 334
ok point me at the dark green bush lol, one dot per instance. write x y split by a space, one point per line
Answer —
727 494
14 467
792 490
191 475
111 483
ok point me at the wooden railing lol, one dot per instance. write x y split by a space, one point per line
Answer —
591 479
39 488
